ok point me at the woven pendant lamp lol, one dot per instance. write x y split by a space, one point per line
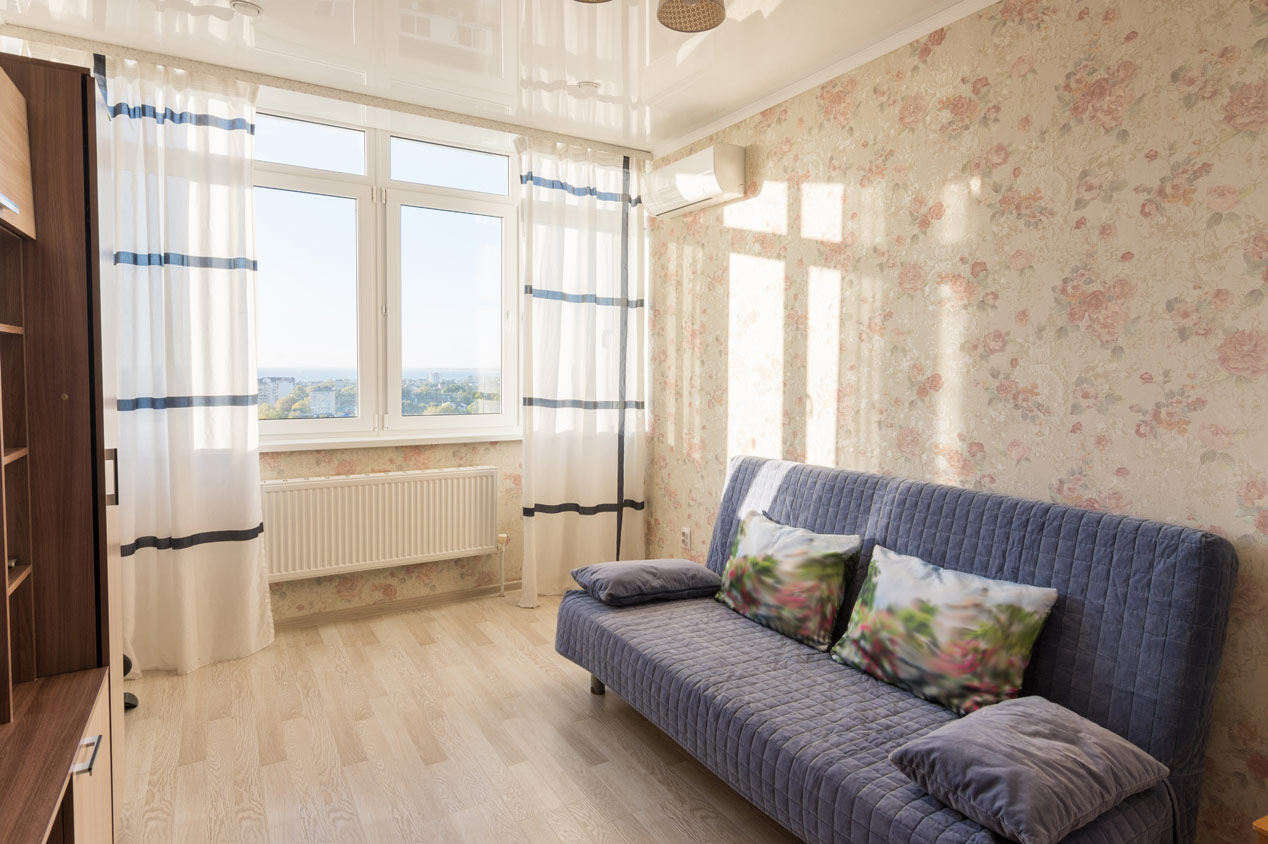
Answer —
691 15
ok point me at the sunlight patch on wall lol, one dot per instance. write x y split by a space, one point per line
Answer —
865 213
690 285
949 423
871 365
954 226
822 211
767 212
823 365
670 315
755 376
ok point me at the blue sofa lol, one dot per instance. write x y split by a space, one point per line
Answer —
1133 643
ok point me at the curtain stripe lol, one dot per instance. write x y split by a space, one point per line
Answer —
582 298
623 361
582 404
585 510
167 115
180 402
179 543
601 195
177 259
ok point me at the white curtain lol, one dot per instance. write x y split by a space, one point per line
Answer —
179 161
584 362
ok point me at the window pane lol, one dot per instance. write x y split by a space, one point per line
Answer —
451 305
303 144
448 167
307 318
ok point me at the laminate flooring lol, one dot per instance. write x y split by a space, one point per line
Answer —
453 723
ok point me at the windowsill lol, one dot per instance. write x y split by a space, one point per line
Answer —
282 442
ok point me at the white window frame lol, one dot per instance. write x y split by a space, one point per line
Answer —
507 420
379 199
368 379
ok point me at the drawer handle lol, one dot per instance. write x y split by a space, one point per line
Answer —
5 202
86 767
112 455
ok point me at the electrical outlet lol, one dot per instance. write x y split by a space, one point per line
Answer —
686 537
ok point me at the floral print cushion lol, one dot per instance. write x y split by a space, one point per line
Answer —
789 579
954 638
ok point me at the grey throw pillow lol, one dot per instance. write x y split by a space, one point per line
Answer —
637 581
1028 769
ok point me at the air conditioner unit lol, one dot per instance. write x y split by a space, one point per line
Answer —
708 177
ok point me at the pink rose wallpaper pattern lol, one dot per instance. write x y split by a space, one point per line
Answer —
322 594
1027 253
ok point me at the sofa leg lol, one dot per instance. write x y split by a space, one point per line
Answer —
596 686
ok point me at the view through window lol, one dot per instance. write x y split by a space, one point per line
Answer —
336 322
307 313
451 300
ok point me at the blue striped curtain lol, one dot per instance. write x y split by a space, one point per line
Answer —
176 165
584 349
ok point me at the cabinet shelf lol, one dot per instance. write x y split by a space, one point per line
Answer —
6 328
11 454
17 574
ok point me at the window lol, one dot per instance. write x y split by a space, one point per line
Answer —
387 286
307 305
302 143
448 167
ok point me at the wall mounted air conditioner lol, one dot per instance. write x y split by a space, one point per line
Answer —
708 177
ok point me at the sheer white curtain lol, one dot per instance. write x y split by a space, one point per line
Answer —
584 362
179 162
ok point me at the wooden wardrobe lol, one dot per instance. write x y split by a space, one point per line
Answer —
61 724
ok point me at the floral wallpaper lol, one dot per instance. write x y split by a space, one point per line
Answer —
296 598
1027 253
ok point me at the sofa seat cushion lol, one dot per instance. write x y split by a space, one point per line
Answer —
803 738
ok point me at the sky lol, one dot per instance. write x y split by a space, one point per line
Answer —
307 250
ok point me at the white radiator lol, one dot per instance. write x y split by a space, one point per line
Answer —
319 526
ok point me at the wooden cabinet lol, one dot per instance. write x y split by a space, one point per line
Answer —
16 206
60 723
41 747
88 811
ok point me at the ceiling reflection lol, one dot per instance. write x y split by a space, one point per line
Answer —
516 60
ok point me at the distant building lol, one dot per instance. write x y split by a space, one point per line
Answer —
321 402
435 377
272 388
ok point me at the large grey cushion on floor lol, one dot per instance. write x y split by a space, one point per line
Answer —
803 738
1027 768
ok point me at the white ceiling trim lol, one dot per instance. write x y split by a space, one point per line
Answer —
901 38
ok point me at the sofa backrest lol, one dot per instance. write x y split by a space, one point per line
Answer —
1134 640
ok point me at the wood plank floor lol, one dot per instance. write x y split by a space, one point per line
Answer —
454 723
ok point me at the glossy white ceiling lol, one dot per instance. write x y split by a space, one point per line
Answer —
519 60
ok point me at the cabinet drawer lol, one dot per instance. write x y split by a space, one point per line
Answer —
89 794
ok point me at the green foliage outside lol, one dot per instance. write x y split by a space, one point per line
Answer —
418 398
